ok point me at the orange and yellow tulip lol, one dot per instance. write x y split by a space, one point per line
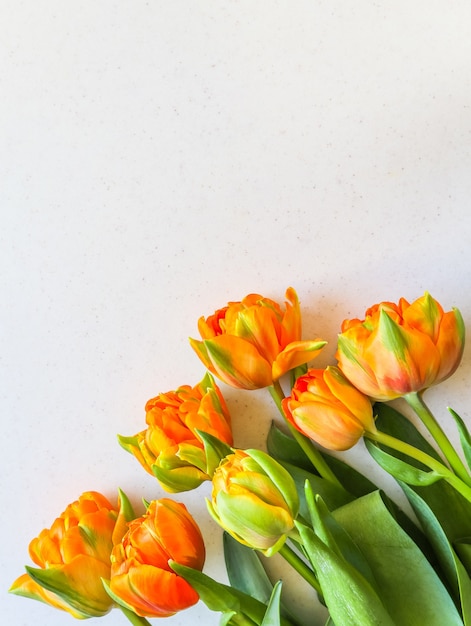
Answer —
141 578
327 408
254 499
401 348
171 447
252 343
73 556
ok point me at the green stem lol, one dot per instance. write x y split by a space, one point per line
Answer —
416 402
401 446
300 566
137 620
309 449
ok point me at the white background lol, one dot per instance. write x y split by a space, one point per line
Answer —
159 158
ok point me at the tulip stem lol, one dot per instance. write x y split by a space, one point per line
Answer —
309 449
415 401
137 620
439 468
300 566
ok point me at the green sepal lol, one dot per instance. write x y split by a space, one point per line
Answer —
178 479
53 579
279 476
128 443
392 336
114 597
215 450
125 506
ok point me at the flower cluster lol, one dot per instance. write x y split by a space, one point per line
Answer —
369 562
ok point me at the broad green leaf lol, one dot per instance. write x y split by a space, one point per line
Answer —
409 586
349 597
455 573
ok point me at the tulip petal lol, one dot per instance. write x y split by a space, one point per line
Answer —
295 354
25 586
260 525
237 362
153 592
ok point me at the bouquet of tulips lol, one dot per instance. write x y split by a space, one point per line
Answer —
366 560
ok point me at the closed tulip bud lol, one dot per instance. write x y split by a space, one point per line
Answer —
141 578
401 348
254 499
252 343
73 556
171 448
327 408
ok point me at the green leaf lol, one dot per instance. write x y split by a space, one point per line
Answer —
401 470
245 570
333 495
465 436
334 535
272 616
216 596
409 587
451 509
348 595
247 574
454 571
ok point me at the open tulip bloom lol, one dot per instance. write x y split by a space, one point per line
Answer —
368 562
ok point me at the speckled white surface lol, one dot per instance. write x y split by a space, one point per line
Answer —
160 158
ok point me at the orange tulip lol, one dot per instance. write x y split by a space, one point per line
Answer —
141 578
73 557
171 448
252 343
401 348
327 408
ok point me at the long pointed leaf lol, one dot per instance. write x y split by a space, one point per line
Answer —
272 616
